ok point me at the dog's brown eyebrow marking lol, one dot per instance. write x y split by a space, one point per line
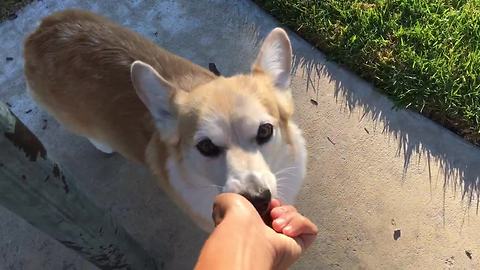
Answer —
213 68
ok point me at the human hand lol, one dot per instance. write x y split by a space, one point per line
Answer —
275 247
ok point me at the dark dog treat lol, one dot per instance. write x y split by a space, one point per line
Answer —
265 214
28 111
314 102
267 219
261 201
8 58
213 68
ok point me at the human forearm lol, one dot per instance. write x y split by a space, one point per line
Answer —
235 246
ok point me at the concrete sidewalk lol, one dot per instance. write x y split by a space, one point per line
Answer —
372 170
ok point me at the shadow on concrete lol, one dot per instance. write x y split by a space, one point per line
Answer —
417 136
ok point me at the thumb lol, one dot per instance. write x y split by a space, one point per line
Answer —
227 202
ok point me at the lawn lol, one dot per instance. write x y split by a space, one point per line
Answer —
9 7
424 54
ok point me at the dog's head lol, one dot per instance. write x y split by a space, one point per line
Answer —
232 133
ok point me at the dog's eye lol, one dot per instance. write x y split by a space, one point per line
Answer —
207 148
264 133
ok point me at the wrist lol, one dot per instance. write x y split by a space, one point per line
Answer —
254 250
239 242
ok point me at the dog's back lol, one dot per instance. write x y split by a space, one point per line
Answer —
77 65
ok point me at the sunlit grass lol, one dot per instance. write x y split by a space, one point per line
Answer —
8 8
425 54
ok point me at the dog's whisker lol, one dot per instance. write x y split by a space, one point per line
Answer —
280 196
284 170
286 176
286 173
285 187
219 188
283 179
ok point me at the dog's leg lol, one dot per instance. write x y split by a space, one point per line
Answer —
105 148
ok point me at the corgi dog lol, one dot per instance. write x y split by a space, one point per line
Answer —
199 134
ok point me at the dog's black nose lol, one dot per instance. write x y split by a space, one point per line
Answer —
260 200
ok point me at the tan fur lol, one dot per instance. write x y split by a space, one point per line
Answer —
77 65
85 83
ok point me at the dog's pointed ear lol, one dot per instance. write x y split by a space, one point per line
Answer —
158 96
275 58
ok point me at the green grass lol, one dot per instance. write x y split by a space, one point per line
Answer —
9 7
425 54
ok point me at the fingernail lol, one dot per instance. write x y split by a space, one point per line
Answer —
280 221
288 228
